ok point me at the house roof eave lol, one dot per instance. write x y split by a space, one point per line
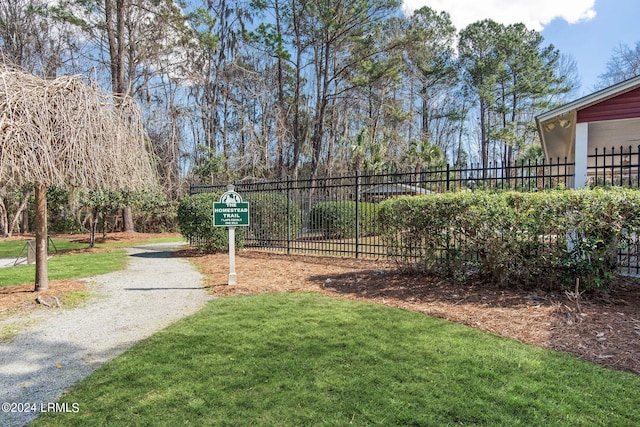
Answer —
589 100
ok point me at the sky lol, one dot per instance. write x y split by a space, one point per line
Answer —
587 30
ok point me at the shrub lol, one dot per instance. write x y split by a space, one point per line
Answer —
269 216
548 238
154 213
61 216
195 221
337 220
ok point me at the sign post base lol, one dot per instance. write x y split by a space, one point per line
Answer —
232 256
232 279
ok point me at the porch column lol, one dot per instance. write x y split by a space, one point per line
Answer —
581 147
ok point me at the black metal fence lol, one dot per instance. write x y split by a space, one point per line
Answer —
319 216
337 215
615 167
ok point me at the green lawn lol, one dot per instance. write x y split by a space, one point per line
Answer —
310 360
71 266
13 248
68 266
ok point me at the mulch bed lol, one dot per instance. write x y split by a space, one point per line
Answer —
603 328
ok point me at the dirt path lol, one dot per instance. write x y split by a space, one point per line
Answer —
64 346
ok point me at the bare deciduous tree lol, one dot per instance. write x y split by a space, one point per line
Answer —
66 133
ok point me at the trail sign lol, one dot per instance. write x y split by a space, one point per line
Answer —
230 211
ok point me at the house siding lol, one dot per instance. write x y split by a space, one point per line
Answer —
623 106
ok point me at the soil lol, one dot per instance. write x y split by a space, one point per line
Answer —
603 328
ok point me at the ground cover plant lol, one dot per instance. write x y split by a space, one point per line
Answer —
307 359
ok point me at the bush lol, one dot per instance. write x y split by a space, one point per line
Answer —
269 217
160 219
195 221
61 216
535 239
337 220
154 213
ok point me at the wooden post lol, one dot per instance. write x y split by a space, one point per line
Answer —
42 280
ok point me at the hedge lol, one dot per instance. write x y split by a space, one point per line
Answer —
547 239
195 221
269 215
337 220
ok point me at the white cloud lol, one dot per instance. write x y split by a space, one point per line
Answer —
534 14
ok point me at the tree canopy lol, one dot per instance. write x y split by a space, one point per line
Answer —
268 88
64 132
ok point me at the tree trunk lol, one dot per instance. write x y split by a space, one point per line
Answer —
92 228
4 220
42 280
24 225
127 220
20 215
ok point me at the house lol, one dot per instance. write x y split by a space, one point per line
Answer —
604 120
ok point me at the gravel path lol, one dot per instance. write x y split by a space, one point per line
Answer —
64 346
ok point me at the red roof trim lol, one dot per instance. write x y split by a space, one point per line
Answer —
623 106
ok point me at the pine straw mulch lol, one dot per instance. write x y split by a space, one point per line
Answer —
22 298
603 328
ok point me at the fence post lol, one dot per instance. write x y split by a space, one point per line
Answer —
288 215
637 164
357 213
448 177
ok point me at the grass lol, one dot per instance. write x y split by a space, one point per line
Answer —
9 330
309 360
75 298
69 266
13 248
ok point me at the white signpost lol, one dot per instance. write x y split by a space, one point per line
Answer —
230 212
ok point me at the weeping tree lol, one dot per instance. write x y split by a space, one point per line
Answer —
64 132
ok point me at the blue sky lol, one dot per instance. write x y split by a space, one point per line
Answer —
588 30
592 42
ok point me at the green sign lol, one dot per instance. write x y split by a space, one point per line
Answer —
231 211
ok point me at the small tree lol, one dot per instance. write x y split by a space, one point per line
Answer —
66 133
